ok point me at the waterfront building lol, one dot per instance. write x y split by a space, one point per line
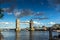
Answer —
44 28
56 26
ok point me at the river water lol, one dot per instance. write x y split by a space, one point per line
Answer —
26 35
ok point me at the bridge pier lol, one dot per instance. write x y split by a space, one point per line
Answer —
17 25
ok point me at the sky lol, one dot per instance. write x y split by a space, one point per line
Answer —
26 10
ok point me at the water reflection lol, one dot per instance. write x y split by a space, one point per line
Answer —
27 35
17 35
31 36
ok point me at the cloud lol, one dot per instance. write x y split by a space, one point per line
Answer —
23 12
39 13
9 13
36 22
9 25
7 10
6 23
58 8
24 22
55 4
54 1
5 1
17 12
39 23
27 22
51 23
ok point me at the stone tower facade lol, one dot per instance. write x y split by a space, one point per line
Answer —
17 25
31 25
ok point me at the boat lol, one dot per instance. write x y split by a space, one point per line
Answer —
56 37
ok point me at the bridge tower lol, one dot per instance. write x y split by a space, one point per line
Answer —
17 25
31 25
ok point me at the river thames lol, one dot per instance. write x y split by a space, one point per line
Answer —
26 35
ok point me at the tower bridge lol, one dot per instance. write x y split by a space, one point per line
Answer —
30 24
18 25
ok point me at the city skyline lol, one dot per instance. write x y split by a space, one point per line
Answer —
48 8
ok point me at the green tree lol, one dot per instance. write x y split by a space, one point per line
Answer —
1 13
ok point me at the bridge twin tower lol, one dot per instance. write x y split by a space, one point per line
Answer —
18 25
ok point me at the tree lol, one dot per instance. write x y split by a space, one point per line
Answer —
1 13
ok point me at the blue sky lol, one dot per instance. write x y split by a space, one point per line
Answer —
50 9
